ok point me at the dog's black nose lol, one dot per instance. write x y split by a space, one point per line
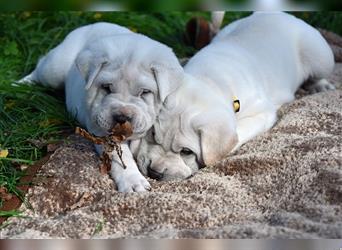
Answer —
154 174
121 118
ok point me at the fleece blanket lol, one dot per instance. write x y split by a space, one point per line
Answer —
285 183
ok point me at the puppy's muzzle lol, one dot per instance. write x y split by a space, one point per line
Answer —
154 174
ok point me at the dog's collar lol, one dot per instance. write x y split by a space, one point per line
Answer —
236 104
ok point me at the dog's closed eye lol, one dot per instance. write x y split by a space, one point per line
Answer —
188 155
145 92
106 87
151 135
186 152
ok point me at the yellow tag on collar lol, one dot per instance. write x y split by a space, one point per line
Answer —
236 104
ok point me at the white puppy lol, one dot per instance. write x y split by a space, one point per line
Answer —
111 76
260 60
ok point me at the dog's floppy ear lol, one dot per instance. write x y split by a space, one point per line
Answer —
167 77
90 66
217 138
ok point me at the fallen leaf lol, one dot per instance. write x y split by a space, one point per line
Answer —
47 122
133 29
3 153
26 14
3 189
9 104
97 15
4 194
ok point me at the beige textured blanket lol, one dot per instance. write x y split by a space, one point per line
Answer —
286 183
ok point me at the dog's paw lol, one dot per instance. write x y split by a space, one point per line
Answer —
29 80
319 86
132 182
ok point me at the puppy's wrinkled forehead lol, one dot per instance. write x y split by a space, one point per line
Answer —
126 75
133 62
175 127
165 130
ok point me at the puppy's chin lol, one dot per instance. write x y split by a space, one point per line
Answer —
170 172
178 177
178 172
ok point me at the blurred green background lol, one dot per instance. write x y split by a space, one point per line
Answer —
162 5
24 36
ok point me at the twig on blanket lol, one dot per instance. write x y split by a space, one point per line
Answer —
118 134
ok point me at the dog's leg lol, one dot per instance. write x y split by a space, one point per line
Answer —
249 127
129 179
317 60
318 86
216 22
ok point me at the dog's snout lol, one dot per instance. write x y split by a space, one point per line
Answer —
121 118
154 174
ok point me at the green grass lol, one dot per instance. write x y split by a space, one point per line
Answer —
30 119
10 213
31 114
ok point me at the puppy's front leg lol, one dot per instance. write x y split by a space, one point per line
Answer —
129 179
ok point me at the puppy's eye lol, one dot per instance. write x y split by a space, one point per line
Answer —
145 92
153 132
151 135
106 87
186 151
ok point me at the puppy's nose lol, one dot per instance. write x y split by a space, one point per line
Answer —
154 174
121 118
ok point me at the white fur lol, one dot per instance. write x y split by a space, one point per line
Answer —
106 70
53 68
262 60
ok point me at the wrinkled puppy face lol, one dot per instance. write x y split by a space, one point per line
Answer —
168 152
185 139
127 78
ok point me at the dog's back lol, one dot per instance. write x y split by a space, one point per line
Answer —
312 54
52 69
270 50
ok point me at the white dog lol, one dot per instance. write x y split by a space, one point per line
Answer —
112 75
231 92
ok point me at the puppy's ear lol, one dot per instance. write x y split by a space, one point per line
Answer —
217 139
90 66
167 77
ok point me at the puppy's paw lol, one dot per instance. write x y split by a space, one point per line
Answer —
29 80
319 86
132 182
